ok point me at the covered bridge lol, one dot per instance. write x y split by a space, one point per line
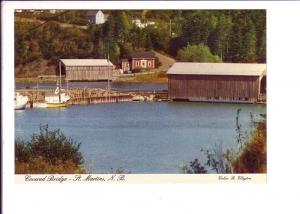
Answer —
216 82
87 69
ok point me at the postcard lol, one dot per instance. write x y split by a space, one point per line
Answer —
124 94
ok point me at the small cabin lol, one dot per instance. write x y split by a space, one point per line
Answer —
139 60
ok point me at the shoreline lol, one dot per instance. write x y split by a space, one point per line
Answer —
150 77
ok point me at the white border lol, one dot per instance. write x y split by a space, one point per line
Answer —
280 194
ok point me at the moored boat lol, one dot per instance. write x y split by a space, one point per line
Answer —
138 98
20 101
59 99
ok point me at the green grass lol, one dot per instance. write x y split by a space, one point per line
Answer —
158 77
40 80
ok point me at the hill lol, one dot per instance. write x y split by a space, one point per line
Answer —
230 35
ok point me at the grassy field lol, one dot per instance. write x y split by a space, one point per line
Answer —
157 77
40 80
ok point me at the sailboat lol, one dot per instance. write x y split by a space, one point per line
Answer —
58 99
20 101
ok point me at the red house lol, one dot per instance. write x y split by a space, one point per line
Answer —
139 60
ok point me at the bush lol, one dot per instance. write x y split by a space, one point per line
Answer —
251 156
38 165
197 53
48 152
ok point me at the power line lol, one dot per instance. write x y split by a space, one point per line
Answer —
63 13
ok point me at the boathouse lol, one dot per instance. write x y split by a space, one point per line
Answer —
87 69
216 82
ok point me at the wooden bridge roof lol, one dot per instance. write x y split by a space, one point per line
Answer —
86 62
234 69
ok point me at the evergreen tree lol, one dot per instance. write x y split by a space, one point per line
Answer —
248 50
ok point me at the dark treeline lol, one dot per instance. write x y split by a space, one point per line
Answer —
228 35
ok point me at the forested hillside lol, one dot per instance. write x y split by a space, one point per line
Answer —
190 35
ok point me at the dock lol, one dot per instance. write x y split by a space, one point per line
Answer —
82 96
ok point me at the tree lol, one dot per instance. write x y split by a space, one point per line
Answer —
121 26
261 47
248 50
197 53
259 19
198 25
48 152
218 40
160 35
126 49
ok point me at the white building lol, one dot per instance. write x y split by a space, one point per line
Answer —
96 17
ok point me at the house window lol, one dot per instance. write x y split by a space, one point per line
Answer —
143 63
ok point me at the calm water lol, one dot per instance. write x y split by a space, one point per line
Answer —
139 86
141 137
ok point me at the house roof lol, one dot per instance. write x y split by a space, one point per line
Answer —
143 55
92 12
238 69
85 62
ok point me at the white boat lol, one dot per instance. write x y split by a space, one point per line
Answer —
39 105
20 101
58 99
138 98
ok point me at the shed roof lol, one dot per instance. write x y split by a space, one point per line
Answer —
92 12
86 62
143 55
236 69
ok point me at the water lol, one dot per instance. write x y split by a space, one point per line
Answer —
141 137
113 85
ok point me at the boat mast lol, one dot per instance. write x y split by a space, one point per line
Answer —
59 82
108 77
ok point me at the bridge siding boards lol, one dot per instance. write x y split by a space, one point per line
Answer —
211 87
86 73
87 69
191 81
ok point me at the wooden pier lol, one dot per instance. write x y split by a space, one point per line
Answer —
81 96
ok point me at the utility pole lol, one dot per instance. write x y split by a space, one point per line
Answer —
170 28
108 88
59 81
